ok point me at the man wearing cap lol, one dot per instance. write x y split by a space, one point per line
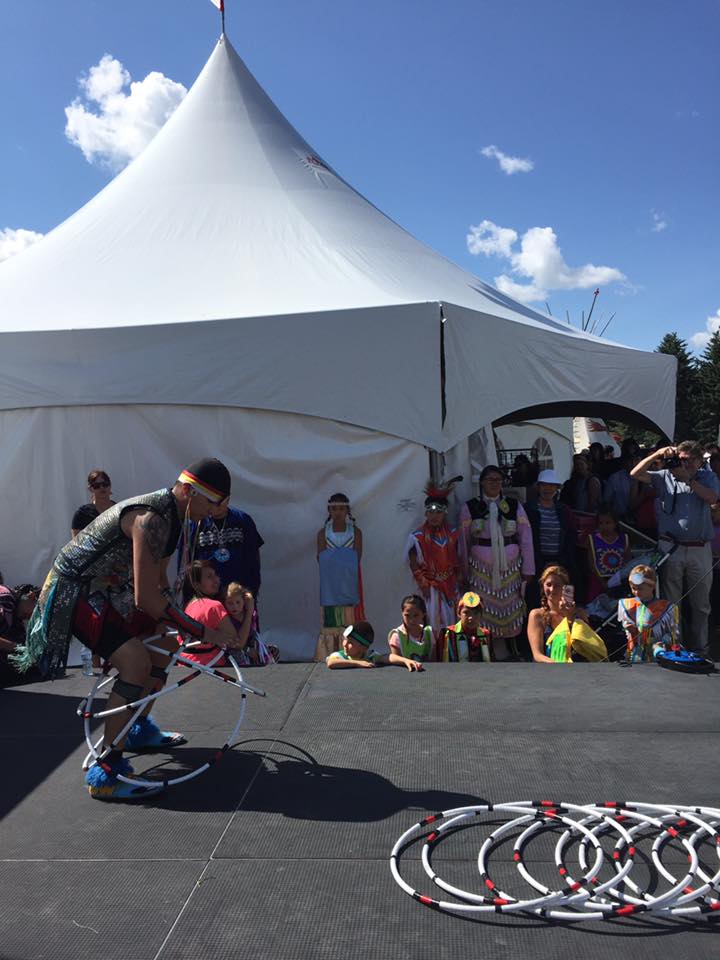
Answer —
685 490
109 588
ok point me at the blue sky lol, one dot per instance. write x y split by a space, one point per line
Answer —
608 114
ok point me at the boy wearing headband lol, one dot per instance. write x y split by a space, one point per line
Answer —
109 588
356 651
650 624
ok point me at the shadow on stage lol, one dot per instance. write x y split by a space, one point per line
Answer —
274 776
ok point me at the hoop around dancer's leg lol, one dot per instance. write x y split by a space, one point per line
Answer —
85 709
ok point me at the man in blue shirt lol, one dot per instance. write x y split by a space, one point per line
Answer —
685 490
230 540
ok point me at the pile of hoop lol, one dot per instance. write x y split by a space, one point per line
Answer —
604 840
134 709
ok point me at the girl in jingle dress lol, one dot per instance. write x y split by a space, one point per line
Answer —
496 552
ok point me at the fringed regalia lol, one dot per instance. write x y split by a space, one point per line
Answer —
456 646
435 551
98 566
496 550
657 623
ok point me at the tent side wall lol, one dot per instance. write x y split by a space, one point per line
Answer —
284 467
379 368
505 372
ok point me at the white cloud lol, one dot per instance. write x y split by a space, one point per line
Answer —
700 340
491 240
113 125
15 241
659 222
539 259
508 165
523 292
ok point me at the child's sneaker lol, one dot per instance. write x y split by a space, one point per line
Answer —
103 783
145 734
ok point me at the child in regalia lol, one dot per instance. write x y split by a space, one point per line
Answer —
339 551
413 638
432 554
650 624
467 641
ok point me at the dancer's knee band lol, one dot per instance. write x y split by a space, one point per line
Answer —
128 691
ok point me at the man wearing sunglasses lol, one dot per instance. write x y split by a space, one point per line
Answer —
685 490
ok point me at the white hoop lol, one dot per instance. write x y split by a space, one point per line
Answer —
693 895
85 708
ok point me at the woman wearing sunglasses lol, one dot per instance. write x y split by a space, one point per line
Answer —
100 489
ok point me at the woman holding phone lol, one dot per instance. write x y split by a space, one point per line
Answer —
557 603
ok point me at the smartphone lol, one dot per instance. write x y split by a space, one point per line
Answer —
568 593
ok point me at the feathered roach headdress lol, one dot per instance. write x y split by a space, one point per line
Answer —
436 494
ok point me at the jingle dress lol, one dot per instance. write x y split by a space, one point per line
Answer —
496 549
435 550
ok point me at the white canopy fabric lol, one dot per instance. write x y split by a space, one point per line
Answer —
283 466
229 265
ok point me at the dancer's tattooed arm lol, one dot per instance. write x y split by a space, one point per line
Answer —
155 533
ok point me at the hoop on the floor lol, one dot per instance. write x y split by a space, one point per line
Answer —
136 707
693 894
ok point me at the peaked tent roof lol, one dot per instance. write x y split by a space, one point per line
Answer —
229 225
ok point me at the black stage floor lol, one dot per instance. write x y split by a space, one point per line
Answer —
281 851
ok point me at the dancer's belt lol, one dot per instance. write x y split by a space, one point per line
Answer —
486 542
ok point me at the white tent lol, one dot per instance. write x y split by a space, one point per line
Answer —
229 294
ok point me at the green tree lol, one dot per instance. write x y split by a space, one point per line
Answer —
686 396
708 405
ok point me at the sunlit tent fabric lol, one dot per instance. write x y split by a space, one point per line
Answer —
229 293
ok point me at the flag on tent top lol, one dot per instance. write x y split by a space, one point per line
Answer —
220 4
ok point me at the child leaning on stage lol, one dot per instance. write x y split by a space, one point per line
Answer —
650 624
413 639
356 651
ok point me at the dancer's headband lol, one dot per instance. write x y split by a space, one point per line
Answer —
209 477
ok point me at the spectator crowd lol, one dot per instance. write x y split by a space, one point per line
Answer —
531 565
